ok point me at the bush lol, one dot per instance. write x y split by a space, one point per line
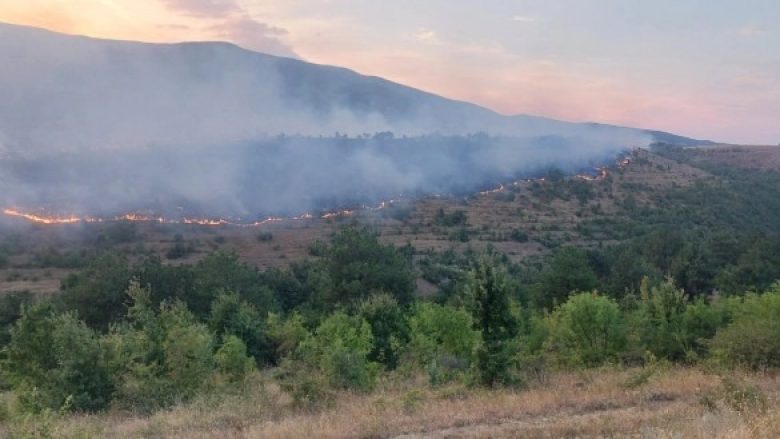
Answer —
97 293
160 357
752 339
265 236
231 316
232 359
339 349
587 330
518 235
388 326
55 360
442 340
661 321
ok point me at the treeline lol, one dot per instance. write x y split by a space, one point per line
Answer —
145 336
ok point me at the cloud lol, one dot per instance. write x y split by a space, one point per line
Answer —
235 24
427 36
252 34
525 19
752 31
204 8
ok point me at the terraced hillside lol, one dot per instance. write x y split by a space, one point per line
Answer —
524 219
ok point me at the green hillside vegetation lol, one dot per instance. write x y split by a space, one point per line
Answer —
687 278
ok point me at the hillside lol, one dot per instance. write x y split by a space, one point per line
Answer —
69 92
104 128
542 215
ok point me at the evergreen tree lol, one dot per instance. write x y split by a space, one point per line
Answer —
489 295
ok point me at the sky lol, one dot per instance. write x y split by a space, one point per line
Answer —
702 68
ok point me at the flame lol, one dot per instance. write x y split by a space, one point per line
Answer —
500 188
41 218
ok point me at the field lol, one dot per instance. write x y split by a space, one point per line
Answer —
631 403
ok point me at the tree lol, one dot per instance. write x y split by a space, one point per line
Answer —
339 349
569 271
55 361
587 330
161 356
489 295
388 326
232 359
661 320
752 339
359 265
231 316
97 293
442 339
219 272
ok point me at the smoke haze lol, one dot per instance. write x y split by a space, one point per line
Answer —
101 127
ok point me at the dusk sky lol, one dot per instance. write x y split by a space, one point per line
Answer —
702 68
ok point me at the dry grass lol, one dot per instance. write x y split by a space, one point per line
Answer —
587 404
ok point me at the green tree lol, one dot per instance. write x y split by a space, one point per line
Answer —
752 339
569 271
358 265
388 326
220 272
587 330
491 309
339 349
442 339
232 359
55 360
97 293
161 356
661 320
232 316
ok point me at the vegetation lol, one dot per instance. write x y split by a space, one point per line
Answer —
682 286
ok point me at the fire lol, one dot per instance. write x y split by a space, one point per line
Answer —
500 188
41 218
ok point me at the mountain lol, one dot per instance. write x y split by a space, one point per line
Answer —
102 126
63 92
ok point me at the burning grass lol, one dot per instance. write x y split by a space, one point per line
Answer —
678 402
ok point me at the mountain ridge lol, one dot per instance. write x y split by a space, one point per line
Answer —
331 98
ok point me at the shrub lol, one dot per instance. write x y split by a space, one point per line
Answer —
231 316
265 236
97 293
518 235
286 334
161 357
587 330
388 326
442 339
661 320
339 348
55 358
752 339
232 359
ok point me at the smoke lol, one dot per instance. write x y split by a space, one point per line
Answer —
104 127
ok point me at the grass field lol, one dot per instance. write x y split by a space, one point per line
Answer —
667 403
